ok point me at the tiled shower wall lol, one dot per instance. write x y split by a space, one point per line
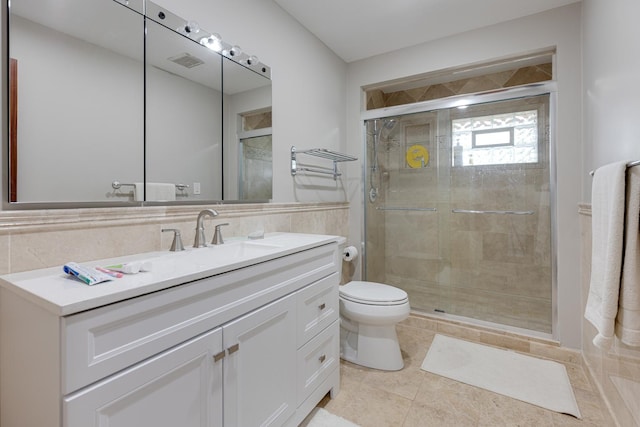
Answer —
46 238
617 371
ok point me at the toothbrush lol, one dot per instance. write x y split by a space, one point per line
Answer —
110 272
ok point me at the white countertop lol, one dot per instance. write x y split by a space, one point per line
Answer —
62 294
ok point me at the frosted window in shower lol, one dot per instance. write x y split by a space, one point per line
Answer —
499 139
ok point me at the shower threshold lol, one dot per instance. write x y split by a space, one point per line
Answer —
471 322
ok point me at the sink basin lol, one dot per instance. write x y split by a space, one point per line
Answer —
215 256
244 249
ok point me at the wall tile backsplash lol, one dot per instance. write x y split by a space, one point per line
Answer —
39 239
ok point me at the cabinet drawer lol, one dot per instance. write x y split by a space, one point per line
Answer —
317 359
317 307
106 340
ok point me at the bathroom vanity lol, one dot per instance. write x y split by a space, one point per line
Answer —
241 334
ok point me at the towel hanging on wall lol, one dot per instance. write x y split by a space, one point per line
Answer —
612 304
628 319
607 216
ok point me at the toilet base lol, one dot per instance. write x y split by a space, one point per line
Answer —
371 346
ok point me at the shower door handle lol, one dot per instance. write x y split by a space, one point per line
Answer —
379 208
493 212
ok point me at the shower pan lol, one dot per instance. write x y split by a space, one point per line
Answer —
458 210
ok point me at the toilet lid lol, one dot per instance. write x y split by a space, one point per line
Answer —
373 293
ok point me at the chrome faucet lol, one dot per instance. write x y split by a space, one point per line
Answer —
217 235
201 241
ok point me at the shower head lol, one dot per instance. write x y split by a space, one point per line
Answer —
387 125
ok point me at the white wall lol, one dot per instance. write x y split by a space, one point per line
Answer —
611 60
309 84
611 50
559 28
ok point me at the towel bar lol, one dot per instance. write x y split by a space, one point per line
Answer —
117 184
396 208
629 165
493 212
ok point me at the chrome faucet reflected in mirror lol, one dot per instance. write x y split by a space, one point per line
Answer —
200 240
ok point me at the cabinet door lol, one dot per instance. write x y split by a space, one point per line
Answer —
260 367
179 387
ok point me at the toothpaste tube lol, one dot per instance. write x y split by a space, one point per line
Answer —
88 275
132 267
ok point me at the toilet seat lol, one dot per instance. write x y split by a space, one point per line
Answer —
371 293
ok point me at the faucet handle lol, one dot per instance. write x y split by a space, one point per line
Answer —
217 236
176 245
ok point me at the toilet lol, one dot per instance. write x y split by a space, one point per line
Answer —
368 315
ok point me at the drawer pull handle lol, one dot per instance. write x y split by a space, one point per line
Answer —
233 348
219 356
322 306
322 358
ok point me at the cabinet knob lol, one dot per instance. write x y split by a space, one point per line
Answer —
322 306
322 358
219 356
233 348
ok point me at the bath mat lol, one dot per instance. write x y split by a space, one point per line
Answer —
540 382
322 418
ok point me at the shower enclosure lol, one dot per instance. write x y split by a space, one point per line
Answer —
458 210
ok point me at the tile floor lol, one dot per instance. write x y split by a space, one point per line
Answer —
412 397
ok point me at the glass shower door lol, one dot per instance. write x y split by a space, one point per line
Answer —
500 228
458 211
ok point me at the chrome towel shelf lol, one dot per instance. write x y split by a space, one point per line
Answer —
322 153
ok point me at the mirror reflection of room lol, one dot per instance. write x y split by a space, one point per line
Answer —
130 109
183 93
80 123
256 165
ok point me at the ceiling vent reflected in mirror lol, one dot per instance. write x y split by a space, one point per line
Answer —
186 60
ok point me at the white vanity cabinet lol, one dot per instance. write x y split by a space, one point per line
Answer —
250 346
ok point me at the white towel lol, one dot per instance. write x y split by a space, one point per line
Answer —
155 192
138 191
628 320
607 216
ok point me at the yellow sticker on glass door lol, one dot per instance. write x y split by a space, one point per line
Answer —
417 156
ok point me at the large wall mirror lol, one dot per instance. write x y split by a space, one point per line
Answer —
102 114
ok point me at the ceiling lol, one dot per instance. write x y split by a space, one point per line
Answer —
357 29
